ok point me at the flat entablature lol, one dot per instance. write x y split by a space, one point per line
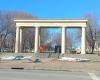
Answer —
50 23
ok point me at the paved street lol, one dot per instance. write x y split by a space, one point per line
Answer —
46 75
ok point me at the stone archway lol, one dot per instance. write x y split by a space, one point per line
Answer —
75 23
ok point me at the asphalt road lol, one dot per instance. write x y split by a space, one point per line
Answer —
46 75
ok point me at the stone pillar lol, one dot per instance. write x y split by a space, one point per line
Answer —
36 39
39 36
63 41
21 39
17 40
83 41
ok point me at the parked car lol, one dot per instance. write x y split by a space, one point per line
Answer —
4 50
78 51
19 58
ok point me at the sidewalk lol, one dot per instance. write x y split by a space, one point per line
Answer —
54 63
51 64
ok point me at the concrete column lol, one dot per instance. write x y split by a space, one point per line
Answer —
83 41
63 41
39 36
17 40
36 39
20 39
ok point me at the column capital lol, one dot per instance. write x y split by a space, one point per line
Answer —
83 26
63 26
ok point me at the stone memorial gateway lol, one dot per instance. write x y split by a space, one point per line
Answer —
48 23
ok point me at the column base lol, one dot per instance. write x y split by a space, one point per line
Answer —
61 55
83 53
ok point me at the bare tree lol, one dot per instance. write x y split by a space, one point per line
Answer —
44 35
57 39
91 32
7 30
28 39
7 26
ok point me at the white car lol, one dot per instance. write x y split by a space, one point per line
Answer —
7 58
